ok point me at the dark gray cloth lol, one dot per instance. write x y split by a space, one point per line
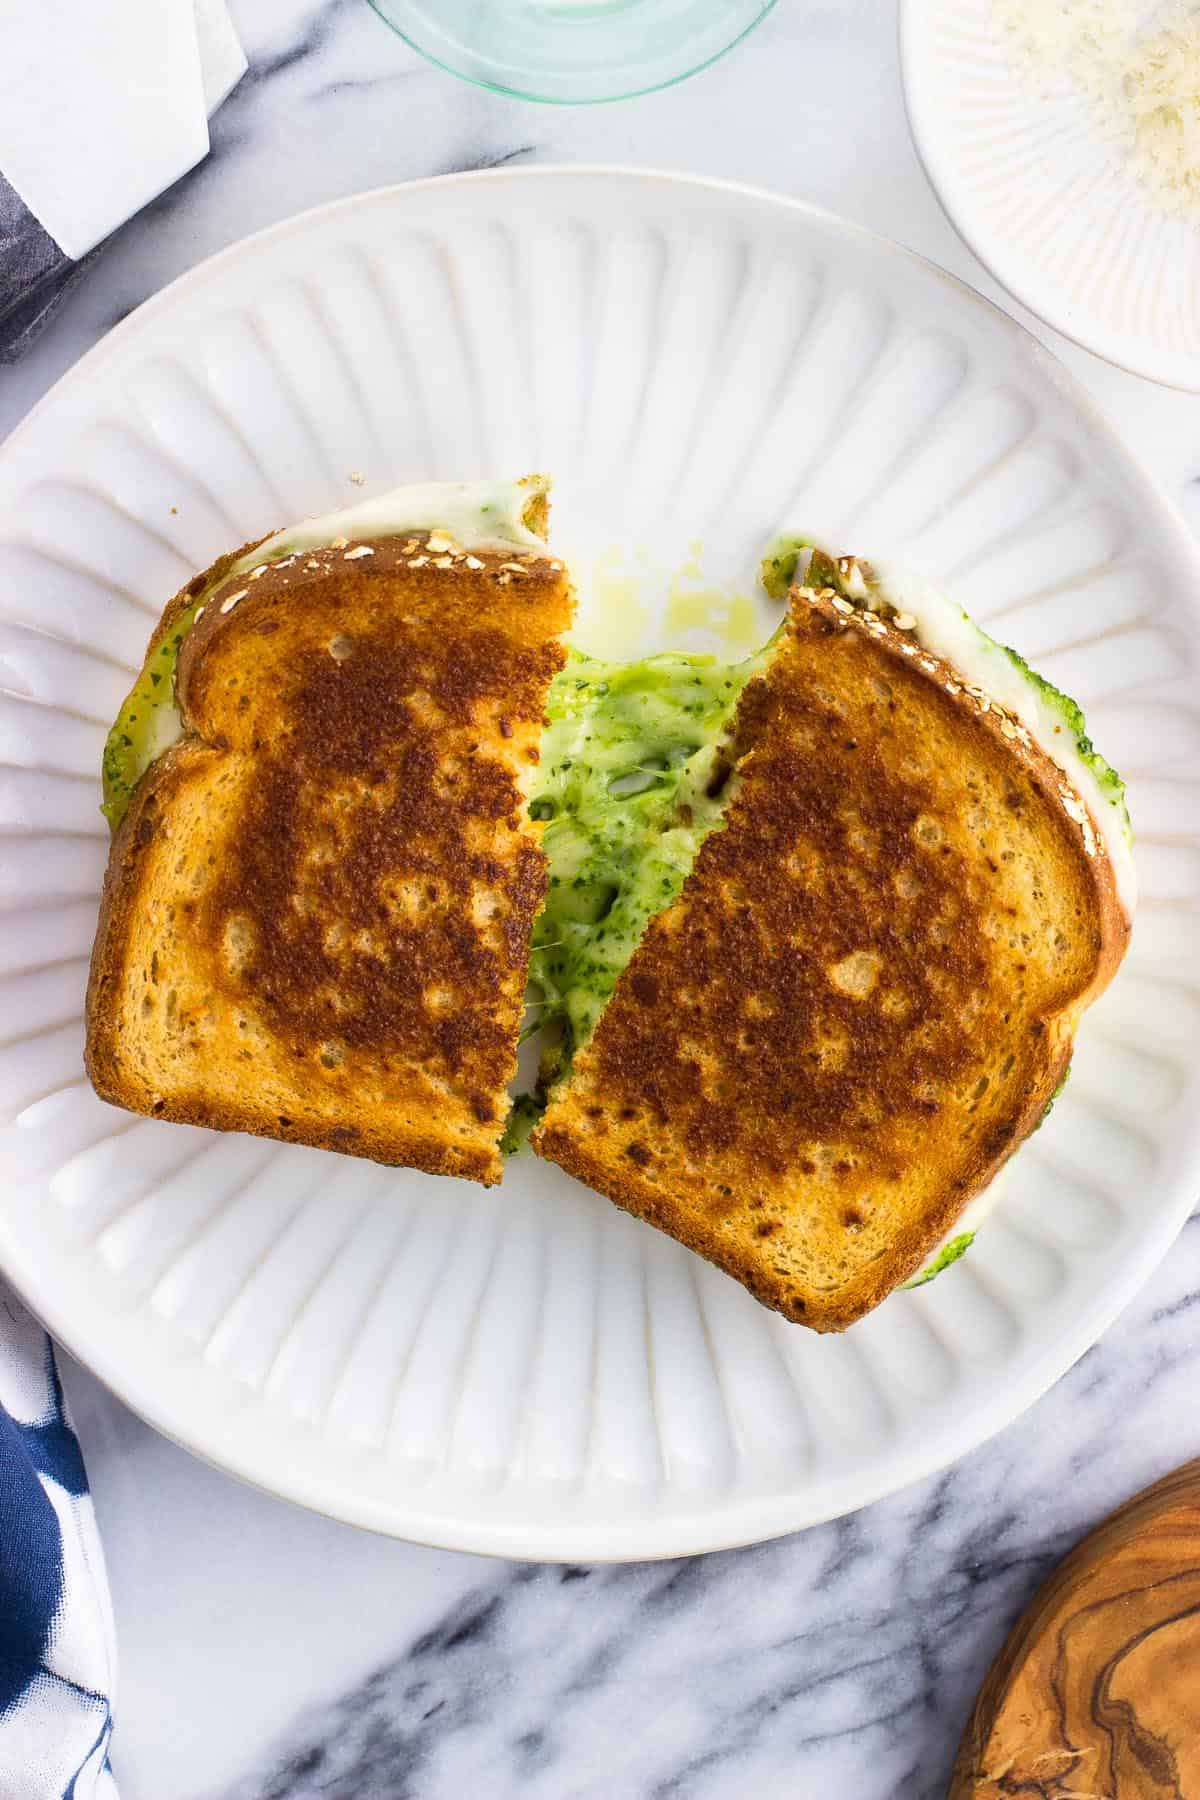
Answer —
35 275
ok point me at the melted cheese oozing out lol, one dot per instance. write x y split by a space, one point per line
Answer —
479 515
165 729
946 632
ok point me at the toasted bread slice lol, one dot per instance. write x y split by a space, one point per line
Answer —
316 916
865 994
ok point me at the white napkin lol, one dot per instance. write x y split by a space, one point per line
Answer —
222 59
102 106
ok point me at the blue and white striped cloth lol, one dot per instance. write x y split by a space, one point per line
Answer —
57 1648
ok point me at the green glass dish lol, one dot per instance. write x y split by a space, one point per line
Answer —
572 52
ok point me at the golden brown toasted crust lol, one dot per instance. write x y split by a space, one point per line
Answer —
865 995
316 916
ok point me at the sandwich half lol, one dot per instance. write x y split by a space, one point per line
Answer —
905 874
316 917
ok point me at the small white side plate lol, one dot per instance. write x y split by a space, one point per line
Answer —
528 1371
1043 199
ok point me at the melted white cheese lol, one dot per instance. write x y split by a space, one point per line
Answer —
943 629
479 515
165 729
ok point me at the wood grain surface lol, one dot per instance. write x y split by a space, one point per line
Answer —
1096 1694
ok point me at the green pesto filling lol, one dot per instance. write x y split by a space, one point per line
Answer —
523 1115
147 722
949 1253
630 783
777 571
1049 1107
1110 783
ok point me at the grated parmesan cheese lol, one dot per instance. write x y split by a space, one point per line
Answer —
1138 67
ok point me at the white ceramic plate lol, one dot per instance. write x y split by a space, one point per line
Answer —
1043 200
528 1370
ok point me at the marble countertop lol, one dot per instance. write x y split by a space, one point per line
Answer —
270 1655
